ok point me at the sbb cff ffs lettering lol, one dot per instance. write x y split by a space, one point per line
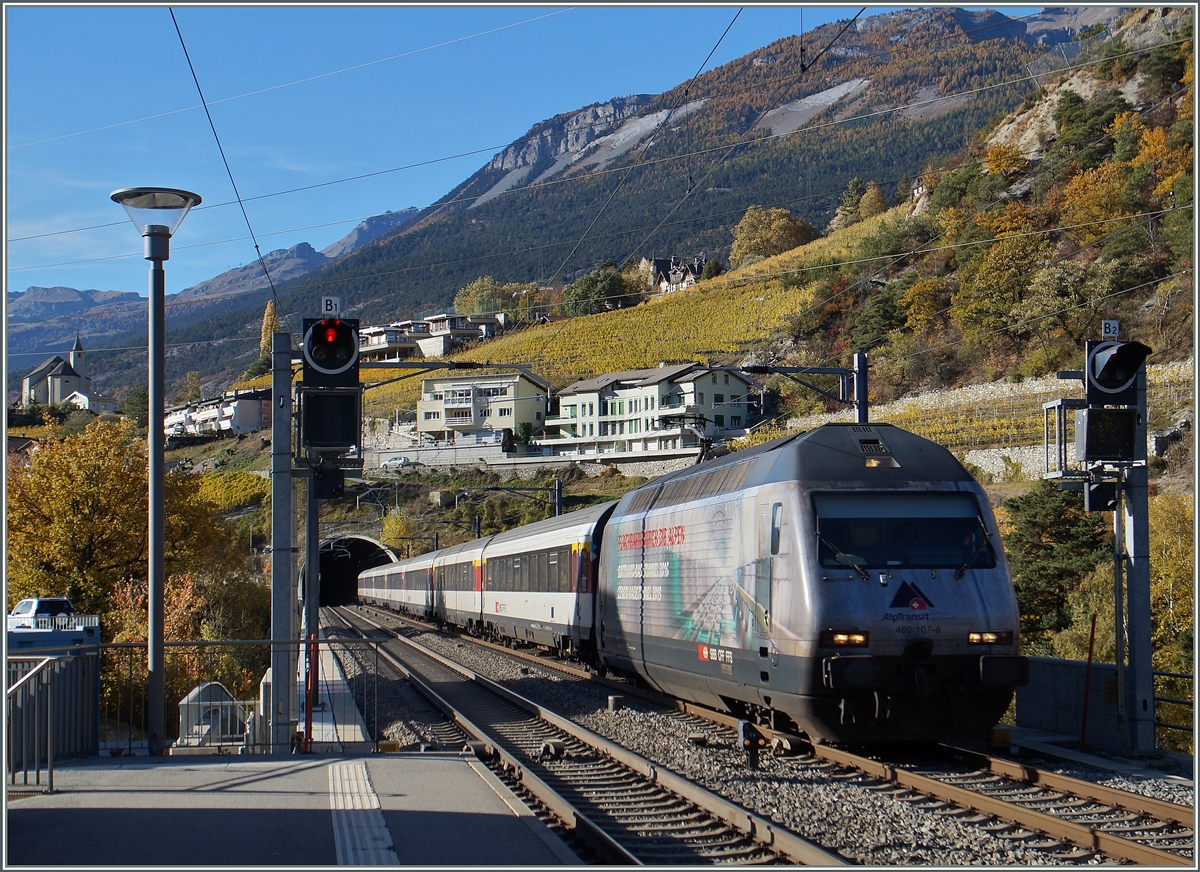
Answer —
330 352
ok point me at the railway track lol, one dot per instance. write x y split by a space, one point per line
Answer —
1074 819
627 809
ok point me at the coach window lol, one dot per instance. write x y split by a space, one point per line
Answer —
776 526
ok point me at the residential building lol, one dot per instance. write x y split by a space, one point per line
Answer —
666 275
665 408
93 402
386 343
480 408
435 336
235 412
445 332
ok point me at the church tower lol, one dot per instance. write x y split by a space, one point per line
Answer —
76 360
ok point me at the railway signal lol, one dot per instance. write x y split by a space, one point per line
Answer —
330 352
329 392
1112 370
1110 458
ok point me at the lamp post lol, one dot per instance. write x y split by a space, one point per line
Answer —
156 213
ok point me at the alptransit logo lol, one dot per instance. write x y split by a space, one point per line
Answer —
909 596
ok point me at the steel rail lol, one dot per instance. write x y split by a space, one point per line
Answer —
1123 799
794 847
1078 834
479 740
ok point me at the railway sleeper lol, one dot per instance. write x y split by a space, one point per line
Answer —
736 852
638 788
618 805
1146 827
665 832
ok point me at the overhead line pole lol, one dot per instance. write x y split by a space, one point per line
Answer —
283 597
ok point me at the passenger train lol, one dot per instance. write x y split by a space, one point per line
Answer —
848 581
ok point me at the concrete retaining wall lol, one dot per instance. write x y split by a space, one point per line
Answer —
1053 701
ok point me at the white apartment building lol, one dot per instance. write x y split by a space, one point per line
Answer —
435 336
665 408
232 413
477 409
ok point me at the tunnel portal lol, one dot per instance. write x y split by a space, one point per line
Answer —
342 559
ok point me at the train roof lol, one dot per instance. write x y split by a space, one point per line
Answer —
858 455
581 522
408 564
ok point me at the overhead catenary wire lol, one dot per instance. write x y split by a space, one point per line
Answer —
482 150
559 181
825 266
729 150
644 148
282 313
305 80
759 276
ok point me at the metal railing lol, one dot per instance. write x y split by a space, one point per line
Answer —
52 622
29 723
345 690
1176 683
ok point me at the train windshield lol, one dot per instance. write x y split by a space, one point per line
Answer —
902 530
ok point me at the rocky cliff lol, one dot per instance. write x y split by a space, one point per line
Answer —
568 133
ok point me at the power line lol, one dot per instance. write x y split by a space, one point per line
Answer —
278 306
493 148
297 81
546 184
645 147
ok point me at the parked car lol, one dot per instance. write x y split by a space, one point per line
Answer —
28 610
396 463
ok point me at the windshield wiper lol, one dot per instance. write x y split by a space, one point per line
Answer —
851 560
962 570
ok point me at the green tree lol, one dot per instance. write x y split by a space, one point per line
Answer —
848 211
1163 69
1052 544
768 232
712 269
880 316
137 405
601 290
985 300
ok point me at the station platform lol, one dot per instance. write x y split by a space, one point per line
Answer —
411 809
337 724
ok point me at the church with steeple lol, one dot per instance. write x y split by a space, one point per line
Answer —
56 381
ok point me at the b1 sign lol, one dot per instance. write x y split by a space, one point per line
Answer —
333 306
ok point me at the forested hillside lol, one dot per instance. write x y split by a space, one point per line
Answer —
1002 267
788 125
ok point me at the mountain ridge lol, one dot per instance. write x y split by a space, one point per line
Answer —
515 226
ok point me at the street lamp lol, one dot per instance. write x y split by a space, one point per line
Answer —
156 213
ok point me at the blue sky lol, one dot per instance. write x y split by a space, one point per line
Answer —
99 98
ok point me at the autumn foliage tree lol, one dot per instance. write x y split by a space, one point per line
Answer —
77 520
768 232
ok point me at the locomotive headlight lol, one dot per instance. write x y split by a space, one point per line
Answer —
843 639
990 637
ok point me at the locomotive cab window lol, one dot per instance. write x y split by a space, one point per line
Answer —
902 530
